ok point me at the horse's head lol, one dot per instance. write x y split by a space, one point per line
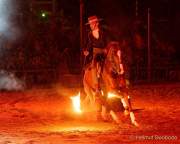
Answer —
113 65
113 59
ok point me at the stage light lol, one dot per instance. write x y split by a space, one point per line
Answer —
43 15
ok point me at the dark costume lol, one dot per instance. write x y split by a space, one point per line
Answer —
97 47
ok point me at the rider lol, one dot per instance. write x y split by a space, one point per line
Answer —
95 50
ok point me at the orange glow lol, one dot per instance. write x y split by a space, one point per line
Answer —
76 102
112 95
79 126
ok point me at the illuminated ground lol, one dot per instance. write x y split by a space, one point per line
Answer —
40 116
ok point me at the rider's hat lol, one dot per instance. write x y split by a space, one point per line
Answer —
92 19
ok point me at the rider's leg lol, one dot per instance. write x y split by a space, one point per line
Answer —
98 109
98 67
95 76
97 94
95 80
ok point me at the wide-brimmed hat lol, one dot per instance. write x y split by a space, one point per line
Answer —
93 18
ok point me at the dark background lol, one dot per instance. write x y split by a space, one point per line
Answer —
49 47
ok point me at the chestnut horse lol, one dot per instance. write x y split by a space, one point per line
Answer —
112 83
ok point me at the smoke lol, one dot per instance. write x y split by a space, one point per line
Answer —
9 32
8 14
5 11
9 82
3 15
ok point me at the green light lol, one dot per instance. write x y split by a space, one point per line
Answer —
43 15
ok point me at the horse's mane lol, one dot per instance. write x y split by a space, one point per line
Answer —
112 47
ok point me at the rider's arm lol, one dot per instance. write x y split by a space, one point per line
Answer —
88 46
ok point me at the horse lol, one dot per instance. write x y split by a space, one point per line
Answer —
112 82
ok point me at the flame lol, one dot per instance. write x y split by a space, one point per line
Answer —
112 95
76 102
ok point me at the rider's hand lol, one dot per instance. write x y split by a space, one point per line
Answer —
86 53
121 72
121 69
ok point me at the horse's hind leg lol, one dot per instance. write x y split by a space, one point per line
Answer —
115 117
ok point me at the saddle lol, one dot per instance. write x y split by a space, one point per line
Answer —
99 54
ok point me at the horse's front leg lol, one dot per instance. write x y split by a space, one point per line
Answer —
125 105
128 110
